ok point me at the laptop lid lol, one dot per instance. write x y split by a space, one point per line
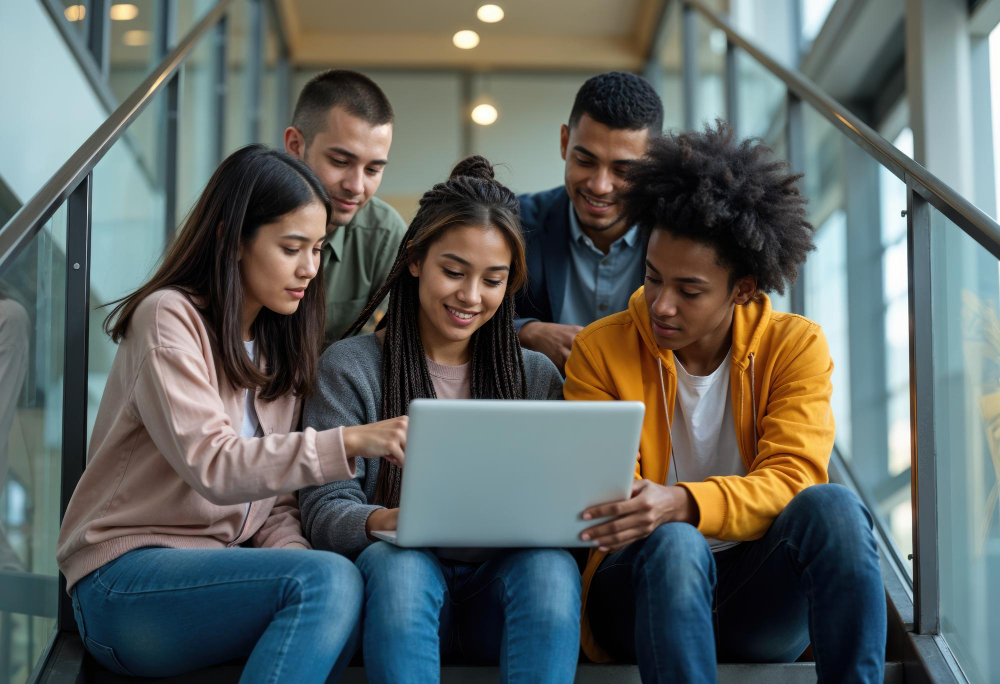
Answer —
484 473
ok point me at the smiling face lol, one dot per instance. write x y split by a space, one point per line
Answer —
462 282
597 158
278 263
688 293
348 156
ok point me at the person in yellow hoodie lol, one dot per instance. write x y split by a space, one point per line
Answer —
733 546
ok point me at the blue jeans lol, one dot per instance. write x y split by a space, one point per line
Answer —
520 607
159 612
814 577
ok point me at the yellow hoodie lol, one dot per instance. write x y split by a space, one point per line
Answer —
780 387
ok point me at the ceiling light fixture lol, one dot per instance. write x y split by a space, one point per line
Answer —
75 12
135 38
484 114
124 12
465 39
490 14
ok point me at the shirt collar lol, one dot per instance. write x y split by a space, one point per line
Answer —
334 245
631 236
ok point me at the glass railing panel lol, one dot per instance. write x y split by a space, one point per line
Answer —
238 88
966 326
32 342
197 147
127 237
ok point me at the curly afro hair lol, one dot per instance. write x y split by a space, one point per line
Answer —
619 100
731 194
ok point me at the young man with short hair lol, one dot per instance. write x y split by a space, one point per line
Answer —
342 129
584 260
732 546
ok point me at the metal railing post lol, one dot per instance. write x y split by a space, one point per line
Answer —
689 36
99 35
923 474
732 88
166 36
74 413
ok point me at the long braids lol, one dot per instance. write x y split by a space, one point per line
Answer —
471 196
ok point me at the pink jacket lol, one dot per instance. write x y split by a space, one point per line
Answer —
167 466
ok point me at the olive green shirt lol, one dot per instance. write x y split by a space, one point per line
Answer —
356 261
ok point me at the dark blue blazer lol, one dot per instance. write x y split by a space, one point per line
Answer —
545 218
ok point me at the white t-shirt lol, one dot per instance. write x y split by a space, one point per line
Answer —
703 431
251 423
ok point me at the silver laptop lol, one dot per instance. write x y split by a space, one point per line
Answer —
488 474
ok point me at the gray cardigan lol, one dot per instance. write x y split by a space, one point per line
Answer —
348 392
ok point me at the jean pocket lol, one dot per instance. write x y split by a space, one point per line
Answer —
105 656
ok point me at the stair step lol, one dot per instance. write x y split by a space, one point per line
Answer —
791 673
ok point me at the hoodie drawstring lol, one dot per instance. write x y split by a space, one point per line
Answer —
670 434
753 405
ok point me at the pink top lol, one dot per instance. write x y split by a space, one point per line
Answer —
167 465
451 382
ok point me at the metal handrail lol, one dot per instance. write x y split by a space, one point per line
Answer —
971 219
32 216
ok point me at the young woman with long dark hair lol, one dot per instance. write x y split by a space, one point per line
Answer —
192 456
448 333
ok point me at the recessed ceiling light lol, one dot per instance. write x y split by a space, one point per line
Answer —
124 12
465 39
484 114
135 38
490 14
75 12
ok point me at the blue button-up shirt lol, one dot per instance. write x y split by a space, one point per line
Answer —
599 284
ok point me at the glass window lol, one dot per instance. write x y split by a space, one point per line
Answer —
197 154
32 341
710 88
133 50
995 107
814 14
238 90
894 498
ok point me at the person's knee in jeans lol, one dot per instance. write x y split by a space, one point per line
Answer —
546 582
834 518
330 586
677 560
403 587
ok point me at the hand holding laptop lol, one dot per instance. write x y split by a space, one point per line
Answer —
650 506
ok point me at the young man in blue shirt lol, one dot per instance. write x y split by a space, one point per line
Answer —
583 260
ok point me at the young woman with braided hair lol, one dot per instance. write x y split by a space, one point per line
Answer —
448 333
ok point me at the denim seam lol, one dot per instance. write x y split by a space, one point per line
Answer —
199 586
283 650
610 567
